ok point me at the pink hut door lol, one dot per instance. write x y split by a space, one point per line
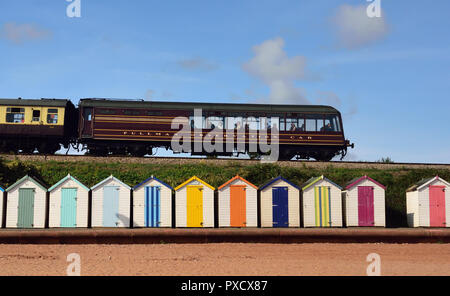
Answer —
366 214
437 206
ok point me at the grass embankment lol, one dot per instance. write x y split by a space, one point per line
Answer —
50 172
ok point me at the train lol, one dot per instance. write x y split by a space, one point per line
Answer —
103 127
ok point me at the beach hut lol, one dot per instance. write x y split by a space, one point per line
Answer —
26 204
364 203
428 203
69 202
152 204
194 201
111 203
280 204
238 203
322 203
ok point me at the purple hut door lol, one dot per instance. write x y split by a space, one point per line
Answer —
365 206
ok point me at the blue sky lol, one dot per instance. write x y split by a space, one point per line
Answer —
389 76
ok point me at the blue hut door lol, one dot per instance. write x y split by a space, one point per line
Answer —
68 207
280 207
110 206
152 206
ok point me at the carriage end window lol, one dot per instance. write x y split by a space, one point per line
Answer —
15 115
52 116
36 115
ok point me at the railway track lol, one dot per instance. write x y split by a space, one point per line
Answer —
221 161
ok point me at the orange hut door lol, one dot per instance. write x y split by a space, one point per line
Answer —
237 206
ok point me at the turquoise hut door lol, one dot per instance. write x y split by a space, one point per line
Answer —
110 206
26 208
68 207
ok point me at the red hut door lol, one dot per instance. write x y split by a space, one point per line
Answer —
366 215
437 206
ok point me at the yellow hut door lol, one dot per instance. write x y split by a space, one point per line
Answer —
194 206
322 205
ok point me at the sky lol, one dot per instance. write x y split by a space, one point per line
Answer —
389 75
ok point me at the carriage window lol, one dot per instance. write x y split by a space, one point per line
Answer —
332 123
106 111
314 122
214 122
36 115
15 115
273 123
52 116
253 123
292 124
234 123
197 122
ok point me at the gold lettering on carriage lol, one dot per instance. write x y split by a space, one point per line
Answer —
227 135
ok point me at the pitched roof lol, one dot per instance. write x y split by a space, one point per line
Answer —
108 179
192 179
357 180
27 178
152 178
64 180
1 189
237 177
425 182
314 180
278 179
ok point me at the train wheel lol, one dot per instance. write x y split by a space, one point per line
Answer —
324 156
49 148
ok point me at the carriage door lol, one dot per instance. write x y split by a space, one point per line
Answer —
68 207
280 207
366 215
437 206
152 206
111 206
87 122
25 217
237 206
194 206
322 206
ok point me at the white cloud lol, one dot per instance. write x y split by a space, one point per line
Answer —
20 33
355 29
272 66
328 98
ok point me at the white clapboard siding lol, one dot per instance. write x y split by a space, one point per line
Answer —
139 203
308 197
124 202
351 203
181 203
82 203
418 203
251 203
267 203
40 198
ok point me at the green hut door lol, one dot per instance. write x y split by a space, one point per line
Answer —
68 207
26 208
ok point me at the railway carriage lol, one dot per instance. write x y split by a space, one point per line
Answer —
136 127
45 125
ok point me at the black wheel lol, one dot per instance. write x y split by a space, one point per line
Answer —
324 156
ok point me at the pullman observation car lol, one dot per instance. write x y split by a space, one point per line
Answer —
45 125
136 127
